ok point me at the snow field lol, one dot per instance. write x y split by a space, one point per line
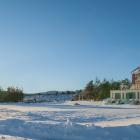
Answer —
67 121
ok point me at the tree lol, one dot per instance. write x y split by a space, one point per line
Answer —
100 90
11 95
88 92
104 90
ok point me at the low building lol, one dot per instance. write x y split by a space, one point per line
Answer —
133 92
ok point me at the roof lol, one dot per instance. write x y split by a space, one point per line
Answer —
137 70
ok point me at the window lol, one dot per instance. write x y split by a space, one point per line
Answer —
117 96
130 95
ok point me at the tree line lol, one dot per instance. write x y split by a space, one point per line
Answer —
12 94
100 90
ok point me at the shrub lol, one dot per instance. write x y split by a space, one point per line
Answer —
11 95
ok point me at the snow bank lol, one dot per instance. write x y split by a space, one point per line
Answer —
67 131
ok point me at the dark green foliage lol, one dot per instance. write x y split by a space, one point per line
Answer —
11 95
89 91
100 90
104 89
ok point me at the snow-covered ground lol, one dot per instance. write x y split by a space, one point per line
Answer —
67 121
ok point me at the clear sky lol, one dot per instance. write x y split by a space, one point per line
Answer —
63 44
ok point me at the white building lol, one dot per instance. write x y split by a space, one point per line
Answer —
133 92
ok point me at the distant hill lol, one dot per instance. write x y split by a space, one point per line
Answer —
50 96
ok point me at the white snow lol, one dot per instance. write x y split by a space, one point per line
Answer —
67 121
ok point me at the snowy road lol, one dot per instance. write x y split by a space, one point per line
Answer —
70 122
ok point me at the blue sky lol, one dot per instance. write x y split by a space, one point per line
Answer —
63 44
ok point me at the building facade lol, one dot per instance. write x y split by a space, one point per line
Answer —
133 92
136 79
